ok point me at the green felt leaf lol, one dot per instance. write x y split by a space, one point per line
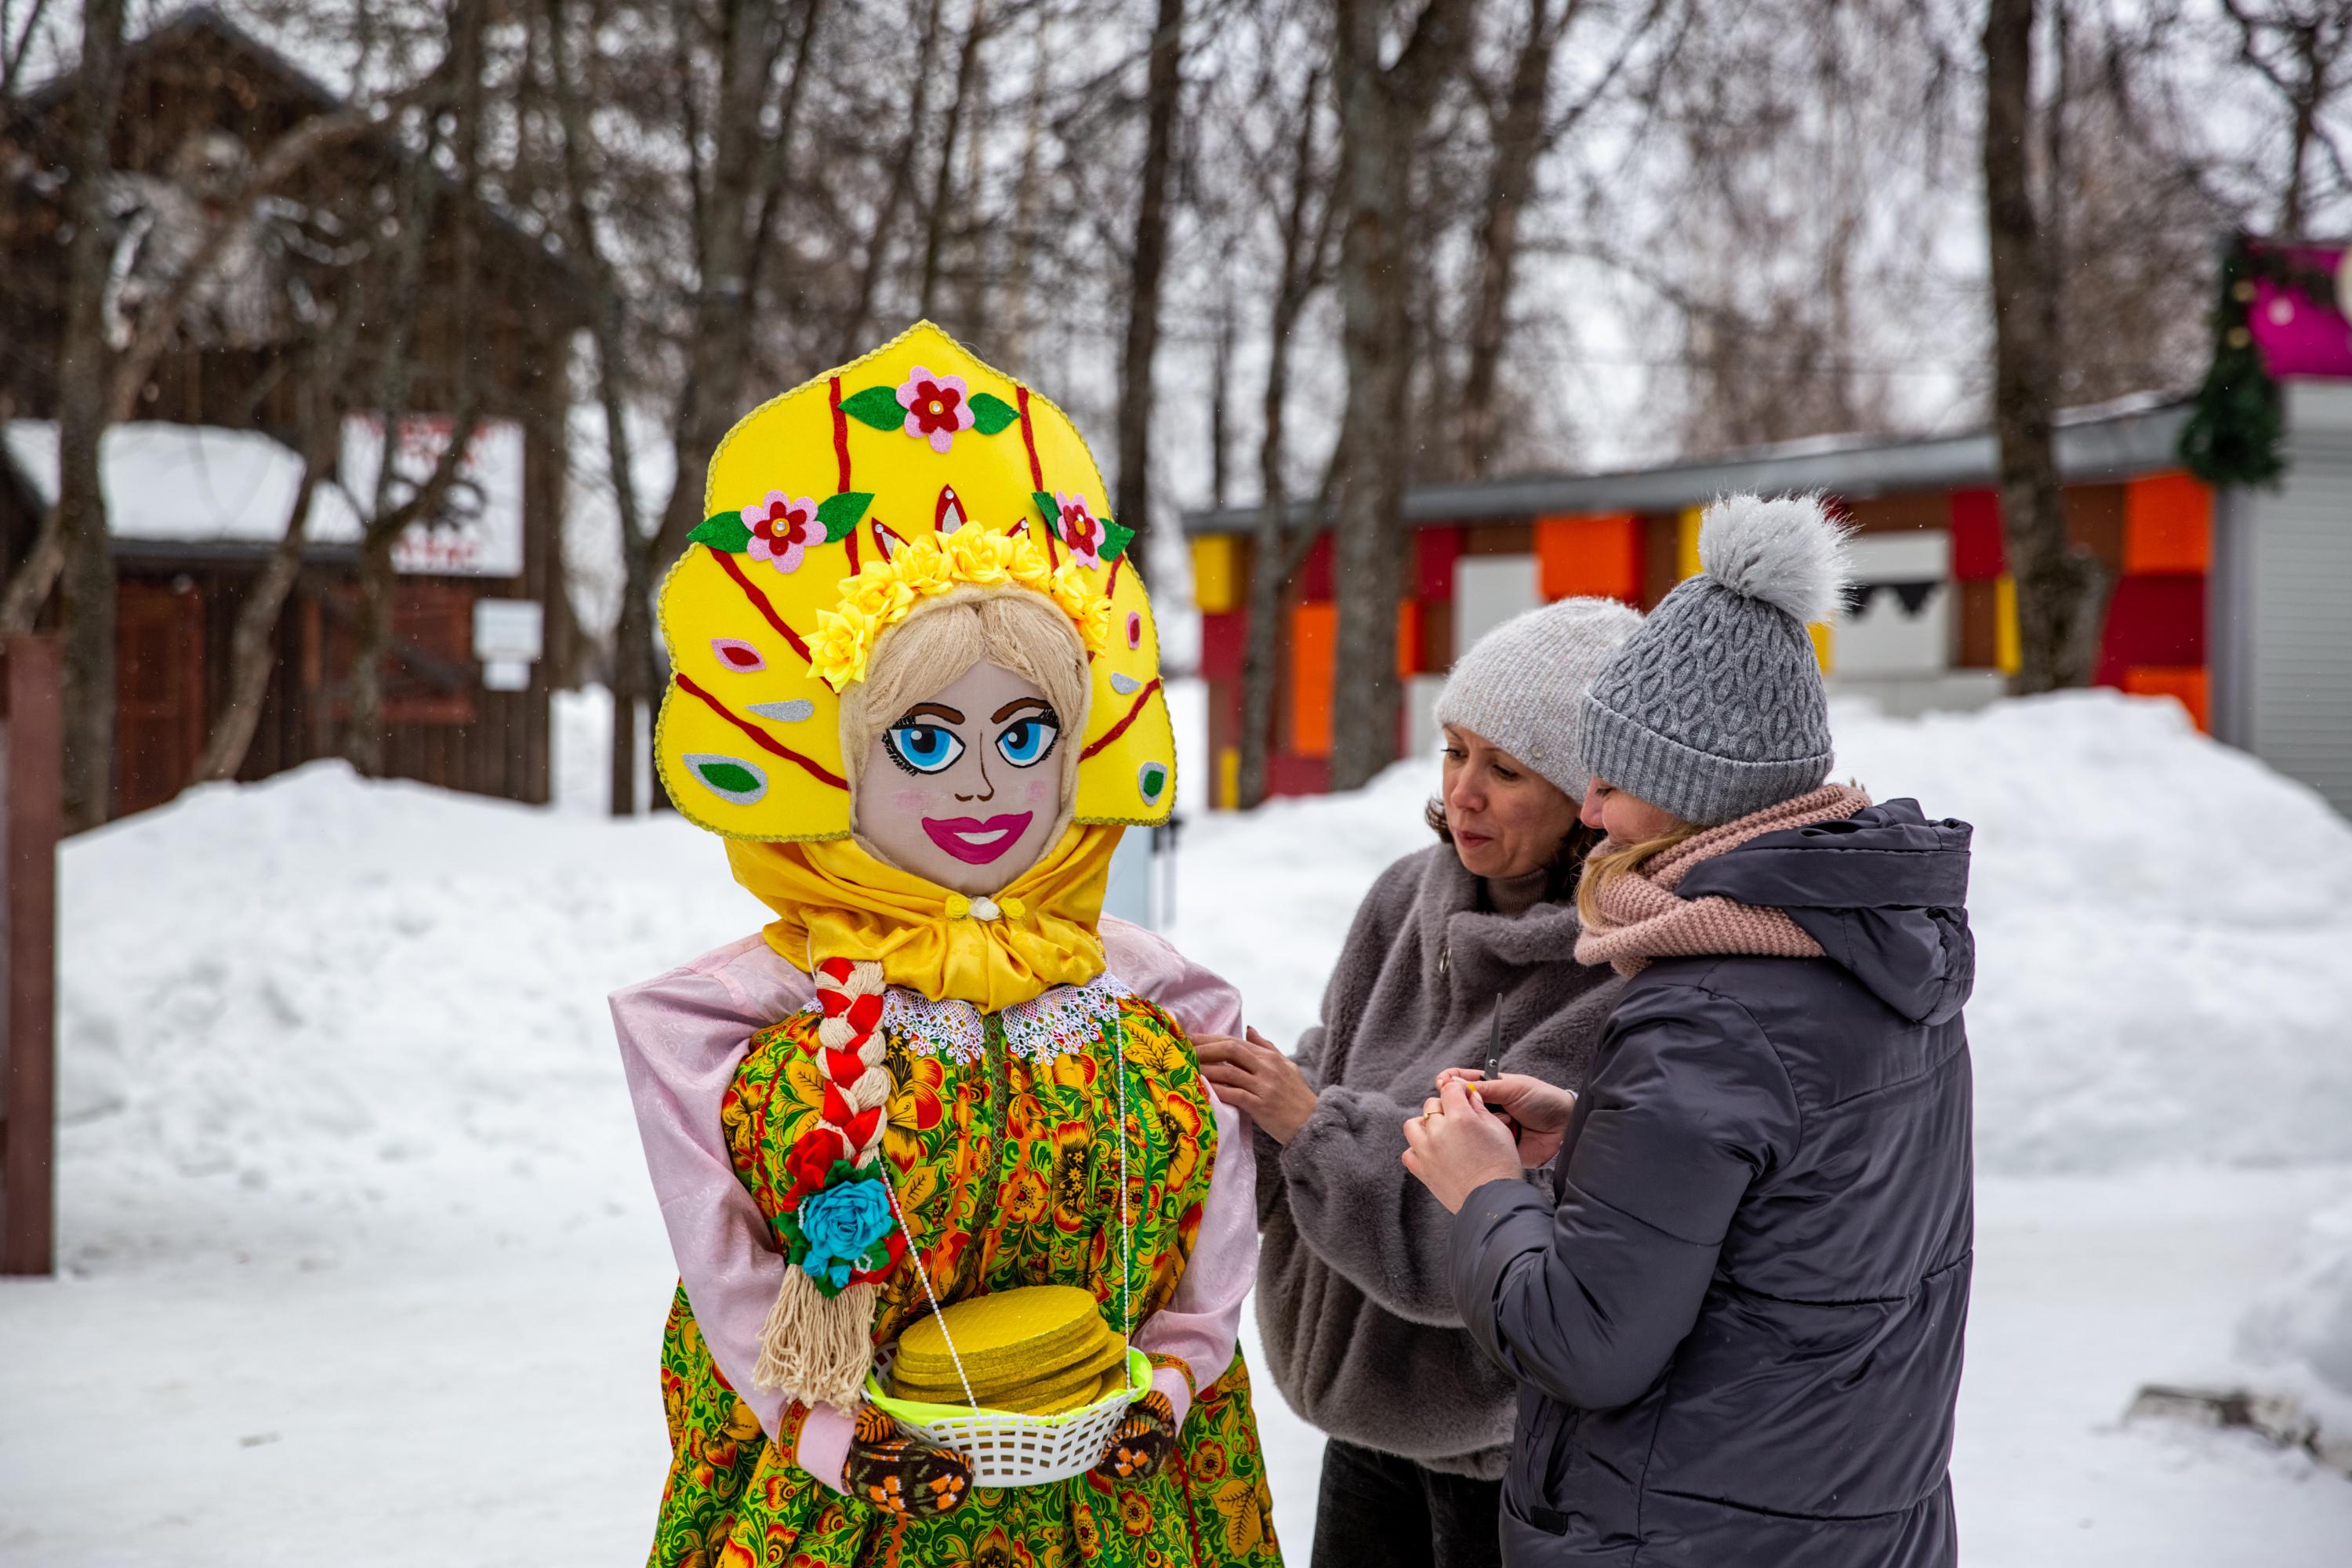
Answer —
1050 509
730 778
1115 539
726 531
878 407
840 513
990 414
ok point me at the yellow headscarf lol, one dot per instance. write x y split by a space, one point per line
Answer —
832 899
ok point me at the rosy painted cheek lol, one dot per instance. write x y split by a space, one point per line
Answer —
907 801
1040 794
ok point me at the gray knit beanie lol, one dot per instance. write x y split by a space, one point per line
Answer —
1521 686
1714 709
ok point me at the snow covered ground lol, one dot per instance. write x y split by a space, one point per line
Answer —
360 1261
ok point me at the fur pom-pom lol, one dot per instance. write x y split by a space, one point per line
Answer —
1785 550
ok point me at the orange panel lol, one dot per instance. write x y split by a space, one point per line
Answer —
1314 640
1408 638
2185 684
2167 525
1599 556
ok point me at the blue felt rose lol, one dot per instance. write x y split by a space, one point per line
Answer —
842 1224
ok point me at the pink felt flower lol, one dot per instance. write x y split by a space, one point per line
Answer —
781 529
939 408
1080 531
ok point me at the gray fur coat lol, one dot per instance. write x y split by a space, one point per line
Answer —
1353 1301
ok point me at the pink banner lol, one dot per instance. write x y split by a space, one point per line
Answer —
2298 335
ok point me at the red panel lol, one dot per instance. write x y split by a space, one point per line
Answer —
1225 637
1599 556
2153 621
1977 554
2189 687
1314 573
1287 773
1434 551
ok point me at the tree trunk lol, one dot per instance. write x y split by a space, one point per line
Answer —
852 341
943 184
632 636
2057 586
1163 86
87 560
1517 140
253 650
1272 557
1382 112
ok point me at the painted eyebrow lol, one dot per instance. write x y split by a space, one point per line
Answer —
930 711
1017 704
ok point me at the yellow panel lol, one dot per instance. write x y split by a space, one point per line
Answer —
2004 624
1824 643
1687 544
1215 588
1229 777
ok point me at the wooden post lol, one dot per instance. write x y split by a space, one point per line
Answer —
31 810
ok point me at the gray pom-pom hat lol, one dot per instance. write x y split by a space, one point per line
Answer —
1715 707
1521 686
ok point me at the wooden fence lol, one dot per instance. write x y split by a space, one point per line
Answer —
31 775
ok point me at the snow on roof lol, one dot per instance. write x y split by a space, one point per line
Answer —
200 484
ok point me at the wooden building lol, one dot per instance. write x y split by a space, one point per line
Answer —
202 99
2233 604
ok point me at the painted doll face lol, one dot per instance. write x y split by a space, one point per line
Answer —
964 787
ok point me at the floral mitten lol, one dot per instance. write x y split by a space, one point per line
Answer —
1143 1441
899 1474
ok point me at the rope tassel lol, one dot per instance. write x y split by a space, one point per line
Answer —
815 1347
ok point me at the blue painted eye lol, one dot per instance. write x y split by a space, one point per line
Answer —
1026 742
923 748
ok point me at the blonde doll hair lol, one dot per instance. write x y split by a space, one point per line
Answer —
1611 860
1011 628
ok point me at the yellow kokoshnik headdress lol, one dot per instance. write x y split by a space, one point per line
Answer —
835 510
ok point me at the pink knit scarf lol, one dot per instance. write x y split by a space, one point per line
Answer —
1643 918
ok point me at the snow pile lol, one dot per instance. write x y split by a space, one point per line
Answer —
2301 1331
2161 924
279 1002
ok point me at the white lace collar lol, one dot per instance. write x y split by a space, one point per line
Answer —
1064 1019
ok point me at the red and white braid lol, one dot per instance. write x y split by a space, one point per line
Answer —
850 1037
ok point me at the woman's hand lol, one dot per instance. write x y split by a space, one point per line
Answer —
1254 1077
1540 1109
1459 1147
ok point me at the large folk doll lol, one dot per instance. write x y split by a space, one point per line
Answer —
915 687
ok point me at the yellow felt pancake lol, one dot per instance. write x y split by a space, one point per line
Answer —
1018 1388
816 487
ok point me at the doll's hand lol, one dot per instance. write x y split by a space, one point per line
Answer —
899 1474
1142 1443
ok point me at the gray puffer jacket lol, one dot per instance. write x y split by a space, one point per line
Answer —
1361 1331
1737 1313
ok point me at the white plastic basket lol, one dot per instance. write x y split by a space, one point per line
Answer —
1007 1449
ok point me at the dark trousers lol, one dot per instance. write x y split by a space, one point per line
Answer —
1376 1510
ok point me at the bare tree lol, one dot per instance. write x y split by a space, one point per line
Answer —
2298 49
2060 595
1163 86
85 554
253 652
1381 111
1304 267
18 39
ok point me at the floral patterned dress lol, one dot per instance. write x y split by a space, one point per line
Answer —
1004 1151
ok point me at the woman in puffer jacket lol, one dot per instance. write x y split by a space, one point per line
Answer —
1736 1316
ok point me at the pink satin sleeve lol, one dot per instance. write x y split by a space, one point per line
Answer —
682 1036
1201 1322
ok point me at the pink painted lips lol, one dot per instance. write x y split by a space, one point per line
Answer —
975 842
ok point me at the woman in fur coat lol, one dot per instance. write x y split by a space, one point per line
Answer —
1467 942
